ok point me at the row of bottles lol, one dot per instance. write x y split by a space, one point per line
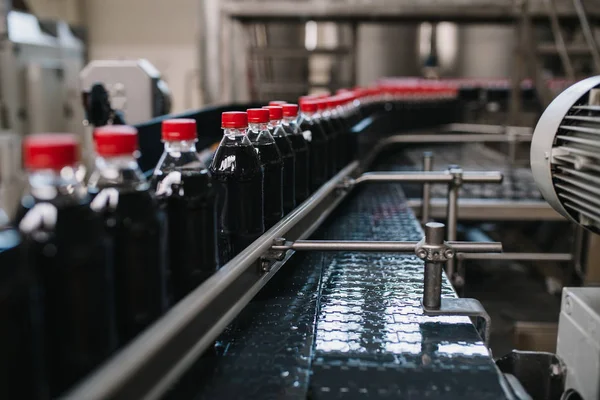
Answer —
87 267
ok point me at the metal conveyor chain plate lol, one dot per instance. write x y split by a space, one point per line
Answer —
348 325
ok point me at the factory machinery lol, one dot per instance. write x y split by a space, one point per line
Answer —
353 294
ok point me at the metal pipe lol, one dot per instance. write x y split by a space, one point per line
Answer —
426 205
468 247
560 257
455 138
429 177
409 176
384 246
452 212
432 280
347 245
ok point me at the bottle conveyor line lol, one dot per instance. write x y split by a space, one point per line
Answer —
156 359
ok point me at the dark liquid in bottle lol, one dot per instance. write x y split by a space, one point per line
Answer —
300 147
333 151
317 153
342 141
272 163
192 215
72 263
239 178
289 169
138 230
20 332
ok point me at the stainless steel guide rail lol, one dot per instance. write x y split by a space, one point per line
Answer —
150 364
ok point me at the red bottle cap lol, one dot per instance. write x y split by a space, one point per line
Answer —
333 102
234 120
277 103
50 150
308 106
258 115
115 140
275 112
321 104
290 110
179 129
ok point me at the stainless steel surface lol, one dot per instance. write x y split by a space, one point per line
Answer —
426 196
153 361
429 177
432 280
492 210
416 10
452 214
333 245
578 342
387 246
466 307
561 257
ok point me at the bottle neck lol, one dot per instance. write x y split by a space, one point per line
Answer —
274 123
180 146
47 184
120 171
235 137
289 120
262 126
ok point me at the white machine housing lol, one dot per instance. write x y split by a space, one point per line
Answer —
135 87
565 153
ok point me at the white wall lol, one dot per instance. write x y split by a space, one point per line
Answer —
163 31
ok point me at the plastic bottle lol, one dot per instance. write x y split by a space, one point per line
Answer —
66 247
323 117
271 161
185 188
20 322
334 108
317 144
136 226
300 146
239 178
284 144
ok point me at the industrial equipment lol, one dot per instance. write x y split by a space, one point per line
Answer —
134 88
41 61
565 163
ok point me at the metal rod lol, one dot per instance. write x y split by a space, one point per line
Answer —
409 176
157 357
347 245
432 280
560 257
426 205
452 212
384 246
476 247
429 177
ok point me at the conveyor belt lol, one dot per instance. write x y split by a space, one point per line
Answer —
518 181
348 325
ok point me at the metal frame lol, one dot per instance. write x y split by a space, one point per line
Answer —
433 250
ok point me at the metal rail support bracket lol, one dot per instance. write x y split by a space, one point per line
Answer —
465 307
432 249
